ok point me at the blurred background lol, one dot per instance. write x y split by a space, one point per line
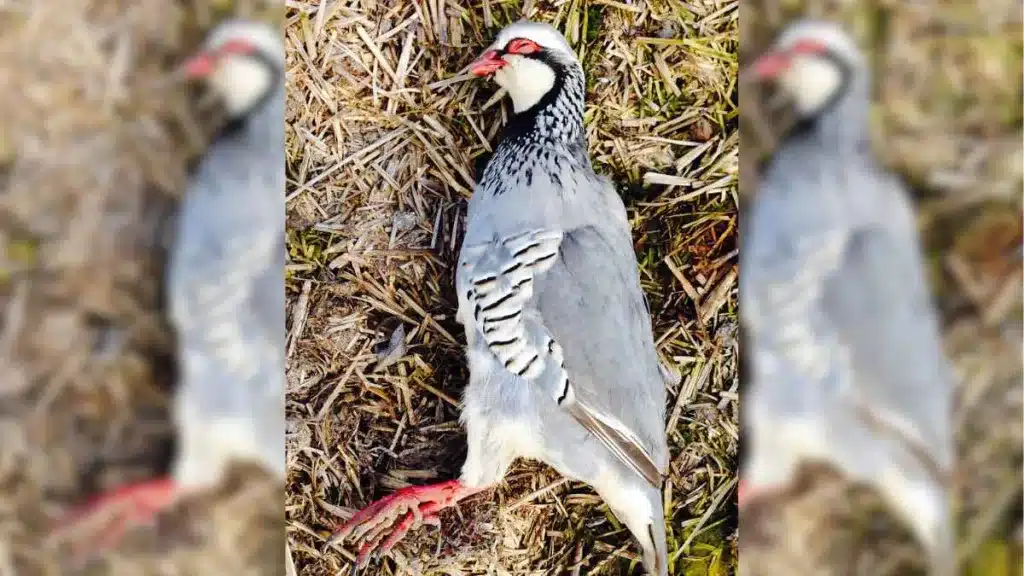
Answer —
385 135
95 145
947 118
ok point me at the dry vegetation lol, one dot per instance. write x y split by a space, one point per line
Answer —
948 119
385 135
94 146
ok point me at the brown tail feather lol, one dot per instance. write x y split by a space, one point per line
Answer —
625 449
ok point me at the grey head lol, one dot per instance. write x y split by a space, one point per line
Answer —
818 66
242 62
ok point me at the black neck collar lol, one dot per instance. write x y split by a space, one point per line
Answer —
523 123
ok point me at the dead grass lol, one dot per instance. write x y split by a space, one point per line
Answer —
948 119
384 136
94 145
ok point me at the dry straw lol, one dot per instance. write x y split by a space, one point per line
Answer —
385 131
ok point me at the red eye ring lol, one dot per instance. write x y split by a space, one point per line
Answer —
522 46
808 46
236 46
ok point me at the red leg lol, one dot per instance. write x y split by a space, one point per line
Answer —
113 513
385 522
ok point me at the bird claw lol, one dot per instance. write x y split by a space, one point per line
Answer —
381 542
385 522
118 510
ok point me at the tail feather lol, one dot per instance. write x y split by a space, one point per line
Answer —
656 548
639 506
619 440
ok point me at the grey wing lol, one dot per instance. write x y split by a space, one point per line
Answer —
268 394
591 302
878 305
789 251
267 305
225 276
498 285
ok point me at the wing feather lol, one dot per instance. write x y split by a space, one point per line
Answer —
877 304
568 306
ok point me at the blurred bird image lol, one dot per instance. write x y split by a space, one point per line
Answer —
847 367
225 285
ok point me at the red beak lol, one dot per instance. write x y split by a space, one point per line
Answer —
771 65
488 63
199 66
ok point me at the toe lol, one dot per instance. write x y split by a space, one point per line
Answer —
365 551
359 518
381 539
381 521
401 529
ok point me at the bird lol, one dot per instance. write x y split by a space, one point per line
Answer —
225 288
562 362
847 364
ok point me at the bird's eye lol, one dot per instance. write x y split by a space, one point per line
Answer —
522 46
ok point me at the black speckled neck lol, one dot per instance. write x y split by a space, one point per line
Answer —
543 136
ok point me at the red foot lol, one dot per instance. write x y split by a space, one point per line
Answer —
398 513
118 510
739 493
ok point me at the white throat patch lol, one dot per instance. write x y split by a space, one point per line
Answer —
526 79
811 81
240 82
